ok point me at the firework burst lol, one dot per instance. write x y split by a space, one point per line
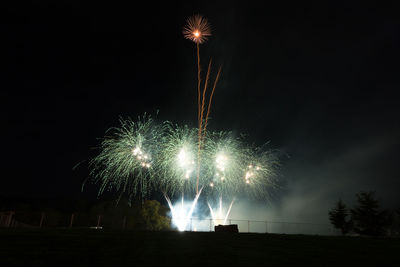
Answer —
260 174
223 163
126 161
197 29
177 160
140 156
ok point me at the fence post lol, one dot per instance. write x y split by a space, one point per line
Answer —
41 220
72 220
9 219
98 220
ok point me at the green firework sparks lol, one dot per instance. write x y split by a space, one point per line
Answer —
141 156
127 156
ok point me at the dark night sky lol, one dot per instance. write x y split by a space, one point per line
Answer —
319 81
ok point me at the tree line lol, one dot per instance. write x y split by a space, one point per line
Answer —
134 215
365 218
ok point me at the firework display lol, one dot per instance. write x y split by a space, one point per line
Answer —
140 156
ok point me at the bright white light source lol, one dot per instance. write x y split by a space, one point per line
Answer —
221 161
184 158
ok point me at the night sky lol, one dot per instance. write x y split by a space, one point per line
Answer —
319 81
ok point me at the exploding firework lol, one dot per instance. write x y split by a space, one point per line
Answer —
197 29
177 161
224 163
126 161
260 175
140 156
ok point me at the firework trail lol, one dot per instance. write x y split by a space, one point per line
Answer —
201 136
210 99
219 217
180 214
198 82
197 29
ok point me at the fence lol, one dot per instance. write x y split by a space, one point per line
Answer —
254 226
75 220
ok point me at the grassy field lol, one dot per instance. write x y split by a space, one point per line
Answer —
21 247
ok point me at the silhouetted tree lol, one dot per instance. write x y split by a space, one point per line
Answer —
338 217
154 216
392 222
366 216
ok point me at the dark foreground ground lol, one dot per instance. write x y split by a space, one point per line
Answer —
116 248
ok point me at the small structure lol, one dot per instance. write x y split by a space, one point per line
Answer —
231 228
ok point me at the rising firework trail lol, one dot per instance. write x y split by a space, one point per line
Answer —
210 100
197 29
